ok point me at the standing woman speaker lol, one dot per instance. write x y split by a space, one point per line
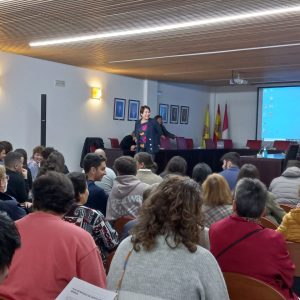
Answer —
147 132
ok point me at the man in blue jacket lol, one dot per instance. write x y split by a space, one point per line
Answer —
231 162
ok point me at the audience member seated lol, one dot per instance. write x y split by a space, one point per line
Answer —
231 162
128 226
285 187
8 146
93 221
94 167
2 154
128 145
146 168
25 166
241 245
55 162
200 172
34 162
177 165
46 152
9 204
273 211
163 259
107 180
53 251
17 185
164 130
217 199
9 242
290 225
126 197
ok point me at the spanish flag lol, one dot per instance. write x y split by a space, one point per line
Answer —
217 130
205 134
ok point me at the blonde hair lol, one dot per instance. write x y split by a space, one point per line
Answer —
2 171
216 191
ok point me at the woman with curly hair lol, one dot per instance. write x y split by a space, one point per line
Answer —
163 258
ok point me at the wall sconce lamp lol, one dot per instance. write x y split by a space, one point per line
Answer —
96 93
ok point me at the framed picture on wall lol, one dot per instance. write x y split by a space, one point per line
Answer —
119 109
184 114
163 112
174 111
133 110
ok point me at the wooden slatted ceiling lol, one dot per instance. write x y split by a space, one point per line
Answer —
22 22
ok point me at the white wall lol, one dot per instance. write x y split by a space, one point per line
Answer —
241 108
196 97
71 114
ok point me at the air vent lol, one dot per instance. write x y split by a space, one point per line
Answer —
60 83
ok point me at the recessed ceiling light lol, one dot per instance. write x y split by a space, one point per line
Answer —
168 27
205 53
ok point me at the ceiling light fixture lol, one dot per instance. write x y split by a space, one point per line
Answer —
205 53
182 25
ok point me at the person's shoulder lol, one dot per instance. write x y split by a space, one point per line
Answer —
272 236
94 188
110 172
93 213
220 224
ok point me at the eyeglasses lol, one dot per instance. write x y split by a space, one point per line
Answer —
5 178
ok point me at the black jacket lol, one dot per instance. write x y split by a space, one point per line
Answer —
90 145
153 134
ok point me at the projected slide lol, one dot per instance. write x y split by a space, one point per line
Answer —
280 108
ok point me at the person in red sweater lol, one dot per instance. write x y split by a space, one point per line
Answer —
52 251
241 245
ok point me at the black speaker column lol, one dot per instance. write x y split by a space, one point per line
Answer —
43 119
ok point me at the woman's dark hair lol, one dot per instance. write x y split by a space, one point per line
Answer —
9 240
79 183
24 154
46 152
173 209
157 117
248 171
176 165
7 146
200 172
55 162
53 192
143 107
146 159
2 147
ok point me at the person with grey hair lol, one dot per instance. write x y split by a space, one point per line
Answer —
241 245
107 180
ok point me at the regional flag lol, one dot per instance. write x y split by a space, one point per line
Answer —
217 130
225 131
205 134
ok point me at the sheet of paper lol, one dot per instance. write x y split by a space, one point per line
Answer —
78 289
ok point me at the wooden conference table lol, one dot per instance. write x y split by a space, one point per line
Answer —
269 168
